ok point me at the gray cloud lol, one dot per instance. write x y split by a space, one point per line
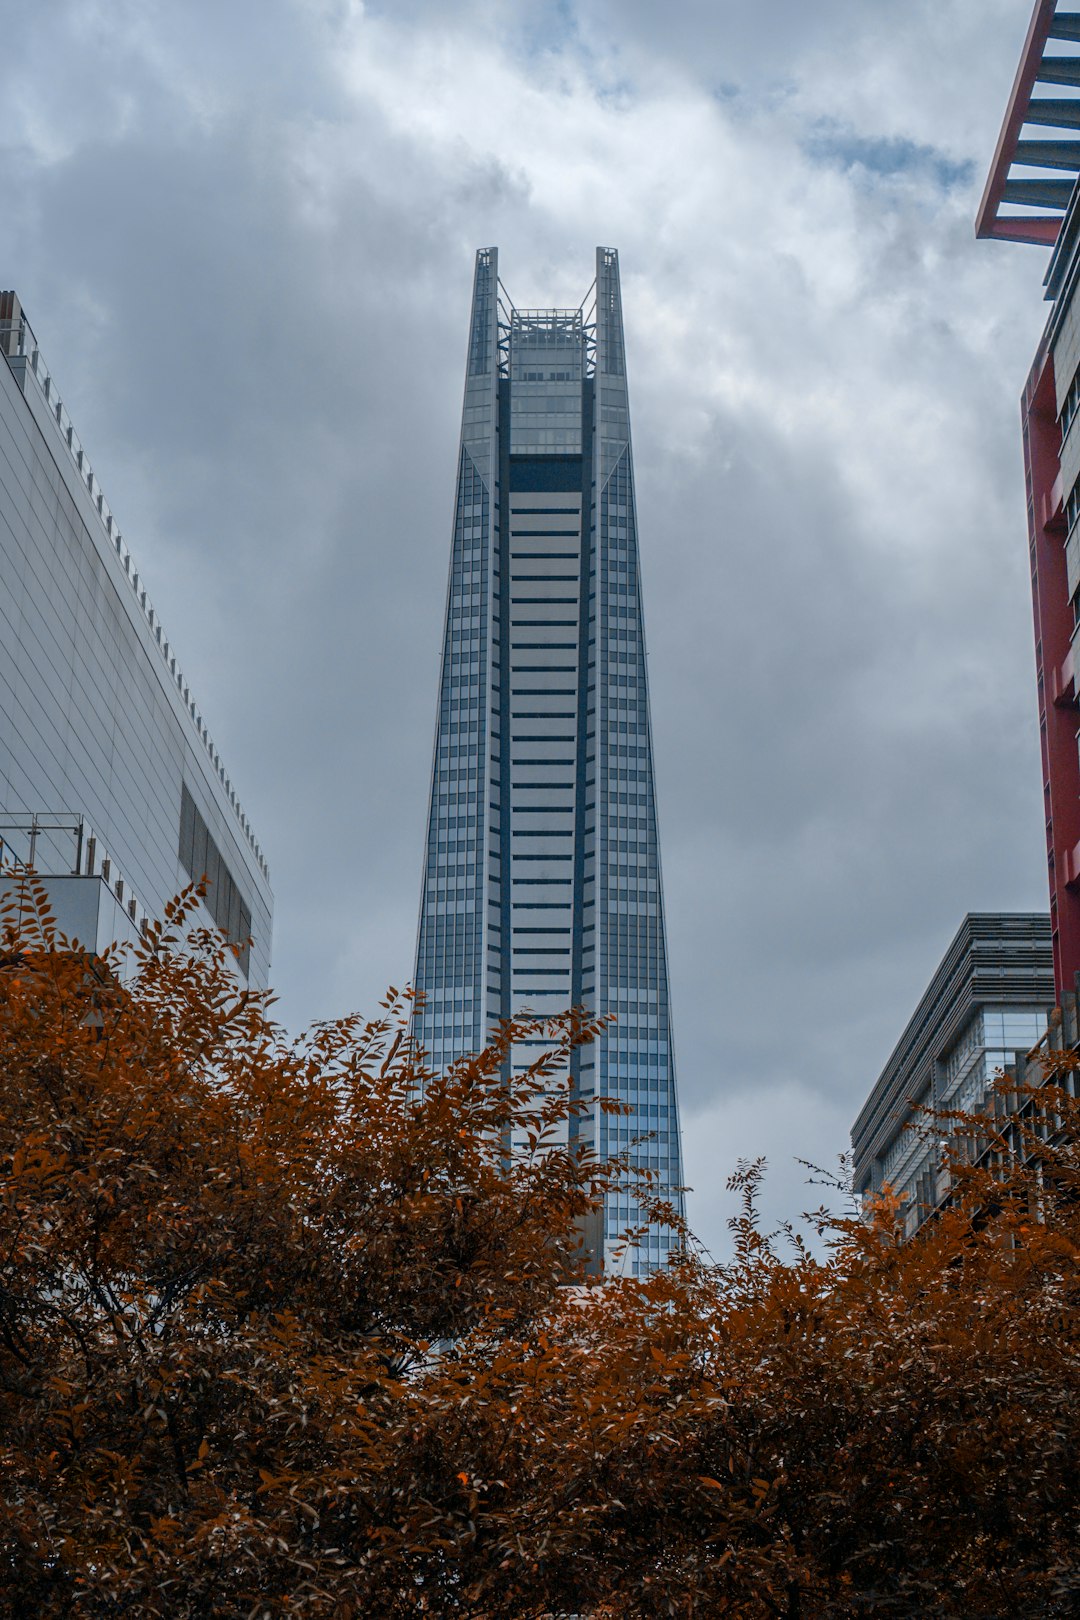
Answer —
244 236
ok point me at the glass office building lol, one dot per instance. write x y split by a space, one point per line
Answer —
110 782
542 877
983 1010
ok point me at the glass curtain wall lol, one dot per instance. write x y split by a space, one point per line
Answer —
542 880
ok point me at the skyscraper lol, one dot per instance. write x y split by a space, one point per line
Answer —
542 877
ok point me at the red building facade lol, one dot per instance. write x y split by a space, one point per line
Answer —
1031 196
1055 675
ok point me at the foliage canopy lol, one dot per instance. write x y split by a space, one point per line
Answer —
286 1331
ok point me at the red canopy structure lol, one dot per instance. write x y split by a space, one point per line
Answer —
1011 180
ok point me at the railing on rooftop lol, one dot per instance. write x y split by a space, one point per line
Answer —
17 342
62 844
579 325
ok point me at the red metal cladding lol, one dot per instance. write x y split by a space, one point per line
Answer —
1058 714
987 222
1040 231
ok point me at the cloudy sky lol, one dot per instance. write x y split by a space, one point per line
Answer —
244 231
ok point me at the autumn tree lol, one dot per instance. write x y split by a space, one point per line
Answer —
227 1261
890 1429
287 1329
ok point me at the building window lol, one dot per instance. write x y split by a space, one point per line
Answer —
200 857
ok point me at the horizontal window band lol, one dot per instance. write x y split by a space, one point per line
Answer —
541 762
544 646
539 832
532 739
541 858
549 973
545 556
542 601
539 714
539 624
523 950
541 534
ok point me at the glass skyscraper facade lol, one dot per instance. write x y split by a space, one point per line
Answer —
542 876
